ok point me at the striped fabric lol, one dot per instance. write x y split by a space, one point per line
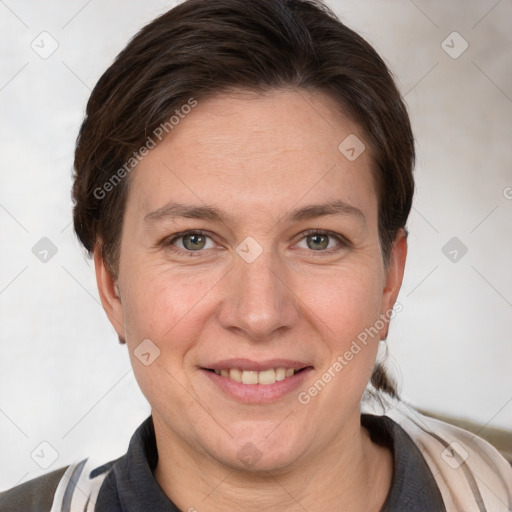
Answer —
471 474
79 487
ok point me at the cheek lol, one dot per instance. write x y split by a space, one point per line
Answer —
168 308
163 304
342 306
344 303
344 309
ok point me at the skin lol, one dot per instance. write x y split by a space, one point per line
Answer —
256 158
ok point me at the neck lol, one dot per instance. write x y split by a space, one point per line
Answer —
351 473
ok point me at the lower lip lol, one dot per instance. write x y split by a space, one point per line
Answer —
258 393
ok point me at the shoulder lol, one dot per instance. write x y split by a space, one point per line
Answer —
469 471
34 495
56 491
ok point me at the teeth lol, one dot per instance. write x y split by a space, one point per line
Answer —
280 374
264 377
235 374
249 377
267 377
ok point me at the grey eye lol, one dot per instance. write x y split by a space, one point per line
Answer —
193 242
320 241
317 242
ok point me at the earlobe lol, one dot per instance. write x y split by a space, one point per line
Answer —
108 290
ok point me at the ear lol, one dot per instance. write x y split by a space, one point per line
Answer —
394 276
109 294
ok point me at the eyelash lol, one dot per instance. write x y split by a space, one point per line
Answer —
343 242
168 242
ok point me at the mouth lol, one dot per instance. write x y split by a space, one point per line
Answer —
257 382
263 377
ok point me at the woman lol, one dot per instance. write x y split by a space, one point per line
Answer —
243 181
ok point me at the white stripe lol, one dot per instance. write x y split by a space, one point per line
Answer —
84 493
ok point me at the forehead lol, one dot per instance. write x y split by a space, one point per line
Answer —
242 150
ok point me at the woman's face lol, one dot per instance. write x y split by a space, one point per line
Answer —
283 270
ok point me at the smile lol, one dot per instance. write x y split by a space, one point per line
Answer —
264 377
257 381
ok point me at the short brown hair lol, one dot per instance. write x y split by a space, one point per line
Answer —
201 48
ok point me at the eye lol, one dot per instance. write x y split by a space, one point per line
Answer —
321 241
191 241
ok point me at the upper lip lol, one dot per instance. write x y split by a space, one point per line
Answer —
256 366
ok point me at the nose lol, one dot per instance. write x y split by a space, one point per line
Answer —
258 299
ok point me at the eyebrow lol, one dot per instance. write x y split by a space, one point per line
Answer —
319 210
174 210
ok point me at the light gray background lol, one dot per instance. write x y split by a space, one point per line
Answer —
64 378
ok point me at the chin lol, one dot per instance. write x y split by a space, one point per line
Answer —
257 453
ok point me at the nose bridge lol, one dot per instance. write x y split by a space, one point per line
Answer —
259 301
